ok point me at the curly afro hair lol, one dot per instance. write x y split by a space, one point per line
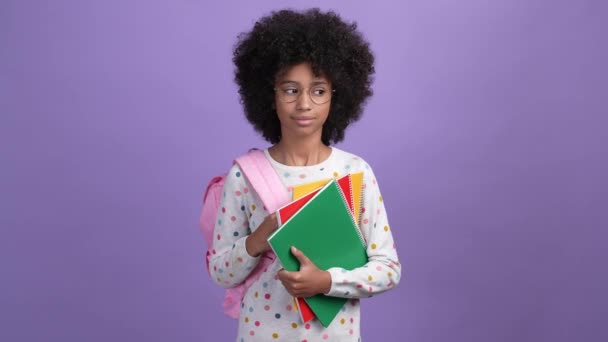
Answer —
285 38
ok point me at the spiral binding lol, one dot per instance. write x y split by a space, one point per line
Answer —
352 218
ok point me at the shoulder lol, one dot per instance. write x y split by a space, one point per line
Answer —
351 161
235 175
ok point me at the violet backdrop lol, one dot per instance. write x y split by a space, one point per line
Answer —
487 132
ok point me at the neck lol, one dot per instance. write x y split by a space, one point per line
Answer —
310 151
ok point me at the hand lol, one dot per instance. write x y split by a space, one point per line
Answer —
307 282
256 243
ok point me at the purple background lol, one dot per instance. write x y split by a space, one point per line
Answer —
487 131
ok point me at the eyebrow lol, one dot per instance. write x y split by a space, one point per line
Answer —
314 83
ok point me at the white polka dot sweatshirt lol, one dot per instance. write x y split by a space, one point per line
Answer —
267 310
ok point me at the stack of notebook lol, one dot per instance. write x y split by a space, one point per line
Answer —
322 223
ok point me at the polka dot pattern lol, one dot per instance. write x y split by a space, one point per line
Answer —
267 312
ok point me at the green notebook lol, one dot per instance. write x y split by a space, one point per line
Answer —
325 231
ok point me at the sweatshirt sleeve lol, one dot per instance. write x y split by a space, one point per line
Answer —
230 264
383 270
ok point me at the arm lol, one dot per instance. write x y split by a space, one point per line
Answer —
230 263
383 270
381 273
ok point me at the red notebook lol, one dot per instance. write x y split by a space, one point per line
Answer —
285 212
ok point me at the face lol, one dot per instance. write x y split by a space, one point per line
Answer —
297 90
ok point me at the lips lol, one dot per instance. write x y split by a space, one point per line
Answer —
304 120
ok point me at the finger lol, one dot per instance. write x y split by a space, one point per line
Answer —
281 273
284 275
275 221
303 259
272 217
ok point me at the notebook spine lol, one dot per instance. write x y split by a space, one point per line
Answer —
352 218
359 212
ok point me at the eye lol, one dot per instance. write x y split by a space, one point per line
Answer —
318 91
290 91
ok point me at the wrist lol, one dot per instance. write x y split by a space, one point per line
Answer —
326 282
250 246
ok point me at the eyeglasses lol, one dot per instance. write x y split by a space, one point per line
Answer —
319 94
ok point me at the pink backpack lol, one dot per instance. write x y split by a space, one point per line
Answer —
272 192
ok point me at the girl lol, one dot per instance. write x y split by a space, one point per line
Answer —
303 77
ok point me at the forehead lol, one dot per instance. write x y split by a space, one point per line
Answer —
300 73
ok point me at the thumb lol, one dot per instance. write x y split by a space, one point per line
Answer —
303 259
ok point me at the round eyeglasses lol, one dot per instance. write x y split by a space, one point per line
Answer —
319 95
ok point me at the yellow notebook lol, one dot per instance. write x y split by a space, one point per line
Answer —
357 186
324 230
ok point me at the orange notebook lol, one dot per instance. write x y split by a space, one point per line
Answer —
300 199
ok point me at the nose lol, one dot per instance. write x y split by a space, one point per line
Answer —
303 101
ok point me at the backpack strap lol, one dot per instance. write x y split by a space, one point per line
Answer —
267 184
264 179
